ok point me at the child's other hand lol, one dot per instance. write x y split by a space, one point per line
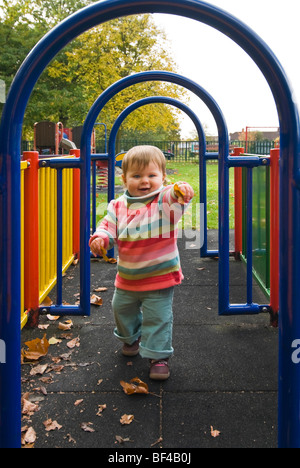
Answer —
187 191
96 246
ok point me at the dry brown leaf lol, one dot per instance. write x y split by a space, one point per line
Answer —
127 419
96 300
52 317
100 289
36 349
214 432
28 407
74 343
54 341
85 426
77 402
29 437
135 386
43 327
39 369
121 440
101 408
51 425
66 325
105 257
179 194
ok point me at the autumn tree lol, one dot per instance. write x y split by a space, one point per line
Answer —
88 65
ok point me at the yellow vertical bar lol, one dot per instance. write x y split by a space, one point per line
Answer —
42 214
23 314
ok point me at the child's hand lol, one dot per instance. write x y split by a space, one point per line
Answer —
96 246
184 192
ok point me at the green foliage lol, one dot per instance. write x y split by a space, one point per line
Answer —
88 65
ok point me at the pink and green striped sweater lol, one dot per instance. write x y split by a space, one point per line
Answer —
145 231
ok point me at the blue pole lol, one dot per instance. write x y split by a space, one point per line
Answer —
10 137
59 251
249 235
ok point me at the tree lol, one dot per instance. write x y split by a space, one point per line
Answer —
88 65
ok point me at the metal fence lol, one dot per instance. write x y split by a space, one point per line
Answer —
179 151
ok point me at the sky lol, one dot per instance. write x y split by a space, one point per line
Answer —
220 66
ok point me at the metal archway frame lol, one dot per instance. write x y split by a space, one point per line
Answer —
10 137
154 100
169 77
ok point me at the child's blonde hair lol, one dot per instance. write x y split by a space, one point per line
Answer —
142 156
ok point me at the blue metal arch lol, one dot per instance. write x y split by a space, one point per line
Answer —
169 77
10 136
155 100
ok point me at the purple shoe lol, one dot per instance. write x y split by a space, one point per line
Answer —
131 350
159 370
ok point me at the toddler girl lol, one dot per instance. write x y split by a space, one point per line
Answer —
143 224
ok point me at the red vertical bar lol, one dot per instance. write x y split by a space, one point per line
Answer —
238 205
76 206
31 236
274 234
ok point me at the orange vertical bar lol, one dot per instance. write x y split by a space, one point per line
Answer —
274 234
31 236
238 205
76 205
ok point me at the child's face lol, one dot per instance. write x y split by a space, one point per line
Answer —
141 182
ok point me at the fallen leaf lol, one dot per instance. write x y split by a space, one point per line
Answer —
100 289
29 437
70 438
74 343
39 369
135 386
54 341
121 440
53 317
96 300
214 432
66 325
51 425
28 407
37 348
85 426
77 402
100 409
43 327
127 419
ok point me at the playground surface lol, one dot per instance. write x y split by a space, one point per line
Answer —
223 373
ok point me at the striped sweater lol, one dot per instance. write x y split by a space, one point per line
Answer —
145 231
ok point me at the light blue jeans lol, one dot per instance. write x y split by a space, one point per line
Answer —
148 315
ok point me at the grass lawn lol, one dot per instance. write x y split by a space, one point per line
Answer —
189 172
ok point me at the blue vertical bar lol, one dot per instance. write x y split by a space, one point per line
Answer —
223 234
94 190
10 330
203 200
59 232
249 234
85 228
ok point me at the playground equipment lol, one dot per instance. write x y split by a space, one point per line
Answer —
47 137
10 137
